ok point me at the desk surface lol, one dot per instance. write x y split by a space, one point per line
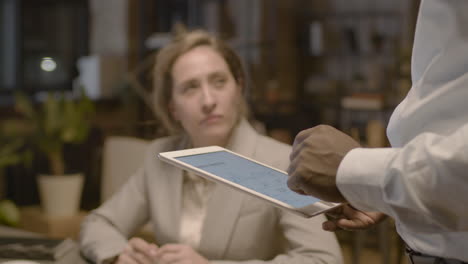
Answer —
34 220
14 232
73 258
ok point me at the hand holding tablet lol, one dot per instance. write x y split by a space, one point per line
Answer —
255 178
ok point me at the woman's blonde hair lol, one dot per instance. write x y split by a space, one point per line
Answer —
165 59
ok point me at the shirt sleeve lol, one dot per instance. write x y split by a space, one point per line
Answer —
421 185
422 181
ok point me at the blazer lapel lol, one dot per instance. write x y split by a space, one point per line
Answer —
221 216
169 219
219 222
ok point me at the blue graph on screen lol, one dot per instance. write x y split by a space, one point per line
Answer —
249 174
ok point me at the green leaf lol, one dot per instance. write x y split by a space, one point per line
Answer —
52 109
24 106
46 127
16 128
9 213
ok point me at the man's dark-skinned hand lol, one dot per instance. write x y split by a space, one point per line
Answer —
315 158
317 152
349 218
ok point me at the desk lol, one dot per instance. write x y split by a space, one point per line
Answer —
34 220
72 258
6 231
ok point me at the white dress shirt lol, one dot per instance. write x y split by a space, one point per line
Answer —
196 193
422 181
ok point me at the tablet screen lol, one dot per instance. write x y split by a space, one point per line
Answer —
249 174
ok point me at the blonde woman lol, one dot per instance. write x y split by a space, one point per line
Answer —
199 85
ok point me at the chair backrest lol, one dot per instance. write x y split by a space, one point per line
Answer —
122 156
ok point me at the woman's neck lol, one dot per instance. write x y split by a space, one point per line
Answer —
211 142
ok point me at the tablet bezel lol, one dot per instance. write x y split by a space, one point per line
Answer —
308 211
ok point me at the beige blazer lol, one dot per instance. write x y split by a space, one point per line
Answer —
237 227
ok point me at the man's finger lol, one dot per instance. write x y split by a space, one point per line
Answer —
329 226
294 185
292 166
354 224
336 213
294 153
302 135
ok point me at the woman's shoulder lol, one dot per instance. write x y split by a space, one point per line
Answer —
272 144
159 145
272 152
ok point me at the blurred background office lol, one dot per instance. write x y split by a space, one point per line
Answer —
340 62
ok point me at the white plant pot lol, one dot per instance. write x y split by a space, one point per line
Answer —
60 195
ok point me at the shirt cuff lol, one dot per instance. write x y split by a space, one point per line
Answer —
361 177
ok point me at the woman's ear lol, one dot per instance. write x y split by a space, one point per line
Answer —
172 111
240 85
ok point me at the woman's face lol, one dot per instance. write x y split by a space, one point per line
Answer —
205 96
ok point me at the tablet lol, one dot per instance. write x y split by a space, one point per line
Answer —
247 175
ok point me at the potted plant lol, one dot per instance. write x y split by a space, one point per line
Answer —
47 127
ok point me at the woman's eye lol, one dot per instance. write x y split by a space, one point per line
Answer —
219 82
189 87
